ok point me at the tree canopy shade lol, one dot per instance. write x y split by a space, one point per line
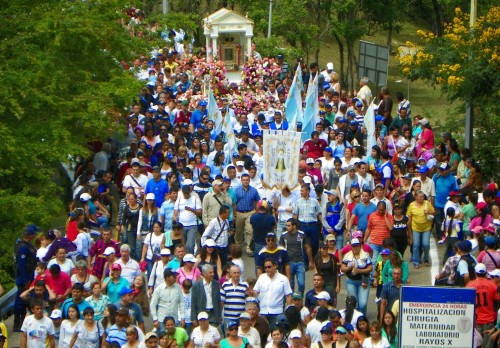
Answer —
61 86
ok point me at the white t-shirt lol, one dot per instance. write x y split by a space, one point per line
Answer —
201 340
138 186
313 328
187 218
66 333
272 292
66 267
383 343
37 331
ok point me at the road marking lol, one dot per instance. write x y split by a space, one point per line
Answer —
433 255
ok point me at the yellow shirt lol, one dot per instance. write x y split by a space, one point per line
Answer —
3 329
419 222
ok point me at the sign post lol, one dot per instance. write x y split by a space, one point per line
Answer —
436 317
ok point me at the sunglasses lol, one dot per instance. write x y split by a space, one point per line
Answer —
232 328
356 196
267 267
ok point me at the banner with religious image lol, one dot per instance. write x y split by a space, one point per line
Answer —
281 158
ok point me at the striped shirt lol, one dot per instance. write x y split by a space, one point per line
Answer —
245 199
307 210
378 227
390 292
233 297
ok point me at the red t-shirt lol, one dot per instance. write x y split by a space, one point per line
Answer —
486 294
314 150
72 231
60 284
182 117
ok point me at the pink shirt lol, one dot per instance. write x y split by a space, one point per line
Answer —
193 275
428 136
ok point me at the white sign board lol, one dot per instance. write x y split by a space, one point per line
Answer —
436 317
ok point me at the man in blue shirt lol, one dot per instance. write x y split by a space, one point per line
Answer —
75 299
444 183
362 210
158 186
243 208
198 115
134 309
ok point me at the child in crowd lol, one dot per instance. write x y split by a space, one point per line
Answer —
186 292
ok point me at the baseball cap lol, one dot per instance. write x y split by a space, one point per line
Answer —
85 197
385 252
244 315
310 161
424 121
349 327
295 334
480 268
326 329
323 295
357 234
216 183
116 267
271 235
333 192
202 316
165 252
149 335
262 203
123 311
126 291
464 245
108 251
495 273
341 330
169 272
187 182
481 205
56 314
150 196
330 237
240 163
297 295
423 169
443 166
189 258
355 241
231 324
350 167
210 243
379 185
329 149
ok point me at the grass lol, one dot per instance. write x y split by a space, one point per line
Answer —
425 99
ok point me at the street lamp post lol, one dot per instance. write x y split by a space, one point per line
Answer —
270 19
469 107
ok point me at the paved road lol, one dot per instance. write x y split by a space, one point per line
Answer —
420 276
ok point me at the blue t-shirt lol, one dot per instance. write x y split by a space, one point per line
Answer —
159 188
444 185
174 264
81 307
197 117
362 212
113 290
134 310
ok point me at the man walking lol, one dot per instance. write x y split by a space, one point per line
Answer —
308 213
205 297
218 231
245 205
167 300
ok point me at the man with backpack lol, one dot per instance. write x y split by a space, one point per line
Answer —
464 271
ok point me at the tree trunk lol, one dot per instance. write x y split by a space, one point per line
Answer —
341 71
437 18
351 64
389 37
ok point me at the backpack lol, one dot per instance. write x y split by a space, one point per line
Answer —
471 263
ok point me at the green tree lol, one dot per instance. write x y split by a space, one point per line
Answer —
61 86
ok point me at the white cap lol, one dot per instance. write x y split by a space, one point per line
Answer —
56 314
495 273
150 195
210 243
329 66
307 179
187 182
202 316
323 295
85 197
295 334
189 258
108 251
165 252
480 268
240 163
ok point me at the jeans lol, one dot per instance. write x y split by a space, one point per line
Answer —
354 288
131 240
376 251
256 255
190 237
223 254
280 228
102 221
450 245
311 230
298 269
339 241
421 239
438 222
271 318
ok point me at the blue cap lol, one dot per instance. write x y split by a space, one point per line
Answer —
329 149
226 179
351 113
151 110
322 112
151 84
385 252
201 126
236 155
423 169
231 324
126 291
353 123
280 89
203 103
359 104
379 118
349 327
343 120
149 147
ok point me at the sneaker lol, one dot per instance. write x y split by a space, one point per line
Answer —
416 266
442 240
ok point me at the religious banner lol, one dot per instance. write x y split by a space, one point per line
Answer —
281 159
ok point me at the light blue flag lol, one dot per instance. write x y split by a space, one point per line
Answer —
311 111
229 138
214 113
369 122
293 103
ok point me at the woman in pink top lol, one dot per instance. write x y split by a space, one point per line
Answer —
426 138
188 269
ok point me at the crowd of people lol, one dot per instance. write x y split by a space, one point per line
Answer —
160 228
